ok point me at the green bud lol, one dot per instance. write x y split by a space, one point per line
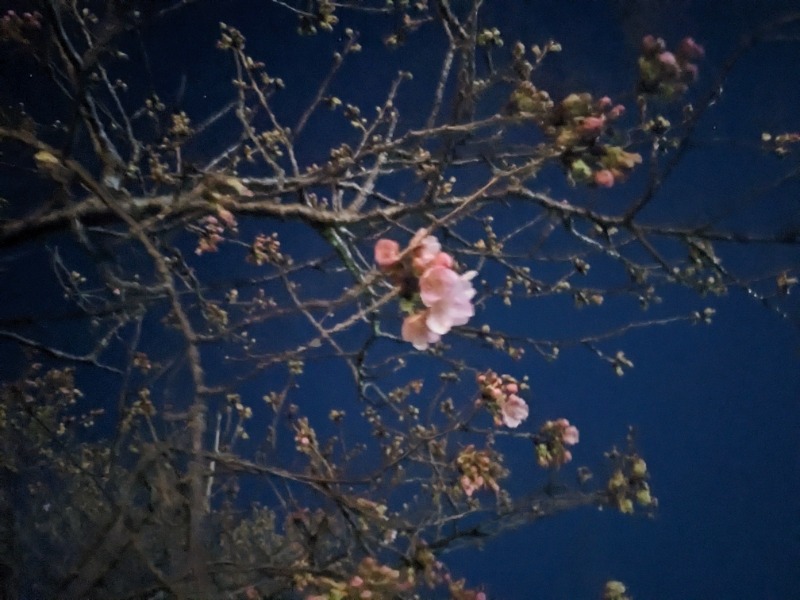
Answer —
580 171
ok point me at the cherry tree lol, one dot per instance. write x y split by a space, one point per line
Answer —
276 342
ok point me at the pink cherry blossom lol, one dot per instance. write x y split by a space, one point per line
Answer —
448 297
444 316
387 253
514 411
570 436
451 311
436 284
604 178
426 249
443 259
569 433
415 330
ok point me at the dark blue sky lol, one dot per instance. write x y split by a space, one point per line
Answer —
716 407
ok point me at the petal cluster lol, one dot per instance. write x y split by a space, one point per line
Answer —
499 392
552 440
581 128
664 73
479 469
427 273
448 297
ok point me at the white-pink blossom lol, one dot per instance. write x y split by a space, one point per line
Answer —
436 284
445 315
570 436
426 249
415 330
514 411
448 297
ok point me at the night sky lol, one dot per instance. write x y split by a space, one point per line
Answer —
715 408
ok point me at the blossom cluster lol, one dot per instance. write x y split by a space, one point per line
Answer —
425 273
577 125
665 73
372 581
500 395
212 228
266 249
479 469
552 440
579 118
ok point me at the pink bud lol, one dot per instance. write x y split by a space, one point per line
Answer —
604 102
387 253
616 112
604 178
651 44
668 59
443 259
689 49
592 125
